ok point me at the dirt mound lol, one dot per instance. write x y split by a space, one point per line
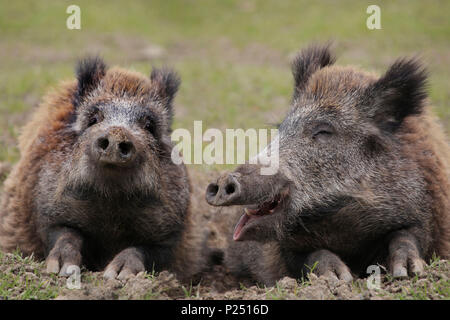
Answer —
24 278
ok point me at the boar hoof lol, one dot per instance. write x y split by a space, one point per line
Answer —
67 256
404 256
125 265
326 263
399 267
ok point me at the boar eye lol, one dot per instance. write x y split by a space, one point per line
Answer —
94 118
322 132
150 126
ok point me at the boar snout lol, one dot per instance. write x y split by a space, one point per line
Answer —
245 186
114 148
225 192
263 198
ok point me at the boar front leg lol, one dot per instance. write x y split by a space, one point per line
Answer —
324 262
65 244
404 255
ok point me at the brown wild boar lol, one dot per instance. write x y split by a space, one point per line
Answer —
363 178
95 184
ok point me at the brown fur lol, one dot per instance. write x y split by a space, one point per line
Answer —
424 140
17 222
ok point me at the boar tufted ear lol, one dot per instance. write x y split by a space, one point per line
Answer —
165 83
400 92
307 62
89 72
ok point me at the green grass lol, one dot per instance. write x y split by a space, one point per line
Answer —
190 291
24 278
423 290
21 278
279 292
432 285
233 56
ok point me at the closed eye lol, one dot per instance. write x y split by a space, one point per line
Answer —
151 125
322 131
94 117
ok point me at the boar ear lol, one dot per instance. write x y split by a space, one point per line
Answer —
307 62
165 83
400 92
89 72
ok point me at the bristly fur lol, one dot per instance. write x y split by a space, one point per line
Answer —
166 82
89 71
309 61
400 92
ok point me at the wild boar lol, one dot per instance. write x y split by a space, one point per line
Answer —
95 184
363 178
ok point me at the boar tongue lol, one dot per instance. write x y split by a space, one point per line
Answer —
237 230
240 225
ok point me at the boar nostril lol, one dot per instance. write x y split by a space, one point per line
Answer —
103 143
230 188
125 148
212 189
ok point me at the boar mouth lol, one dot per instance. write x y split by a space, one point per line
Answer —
254 213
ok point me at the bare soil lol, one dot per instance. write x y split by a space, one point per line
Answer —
28 281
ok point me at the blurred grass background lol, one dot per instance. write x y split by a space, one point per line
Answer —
233 56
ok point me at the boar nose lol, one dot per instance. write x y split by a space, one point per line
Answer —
224 192
115 147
